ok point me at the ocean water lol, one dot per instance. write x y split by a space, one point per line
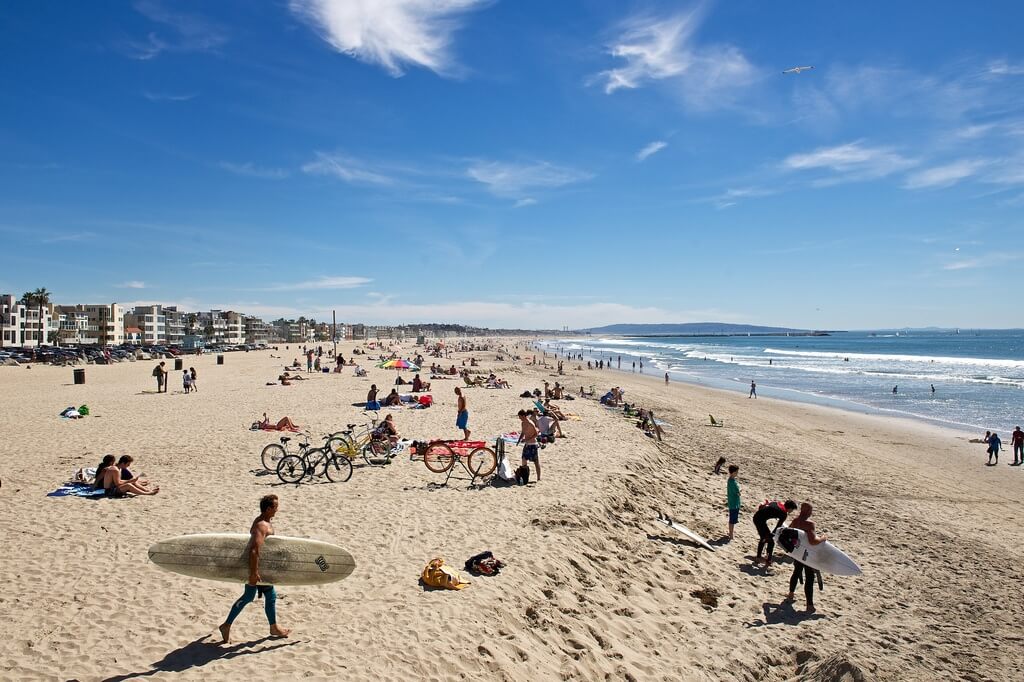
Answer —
978 375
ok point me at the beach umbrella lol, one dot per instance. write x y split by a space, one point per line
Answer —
399 364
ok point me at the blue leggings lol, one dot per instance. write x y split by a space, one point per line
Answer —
269 602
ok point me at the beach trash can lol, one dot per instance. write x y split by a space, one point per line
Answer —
220 359
79 376
177 363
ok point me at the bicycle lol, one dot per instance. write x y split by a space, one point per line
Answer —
365 444
273 453
293 468
476 458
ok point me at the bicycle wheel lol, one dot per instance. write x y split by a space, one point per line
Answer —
375 450
439 458
338 468
482 462
342 445
291 469
271 455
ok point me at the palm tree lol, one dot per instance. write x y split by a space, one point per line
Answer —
39 298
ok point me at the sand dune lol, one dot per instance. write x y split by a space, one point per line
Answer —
593 588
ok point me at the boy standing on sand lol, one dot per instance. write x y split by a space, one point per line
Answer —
462 418
259 532
528 437
732 489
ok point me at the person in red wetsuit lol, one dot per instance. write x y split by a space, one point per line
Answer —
803 522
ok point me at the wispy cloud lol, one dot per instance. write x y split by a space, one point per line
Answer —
987 260
527 201
1001 67
320 283
68 237
390 33
663 49
185 32
251 170
168 97
131 284
651 149
944 176
513 179
849 162
346 169
733 196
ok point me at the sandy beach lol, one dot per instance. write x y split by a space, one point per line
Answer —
593 588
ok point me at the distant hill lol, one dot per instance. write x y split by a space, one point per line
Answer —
689 328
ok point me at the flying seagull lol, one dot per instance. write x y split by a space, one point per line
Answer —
798 69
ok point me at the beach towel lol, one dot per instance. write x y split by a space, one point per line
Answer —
510 437
77 491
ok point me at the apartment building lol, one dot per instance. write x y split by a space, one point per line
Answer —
256 330
23 326
93 324
222 326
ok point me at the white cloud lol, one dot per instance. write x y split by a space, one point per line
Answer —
251 170
346 169
663 49
849 162
651 149
733 196
944 176
1001 67
323 283
189 32
389 33
168 97
527 201
132 284
511 179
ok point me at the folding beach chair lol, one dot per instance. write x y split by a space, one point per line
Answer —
716 422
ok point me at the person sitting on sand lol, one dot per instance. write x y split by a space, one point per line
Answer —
399 381
283 378
387 429
127 476
283 424
418 386
371 398
108 479
554 411
393 398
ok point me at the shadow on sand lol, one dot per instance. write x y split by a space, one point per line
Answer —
198 653
782 614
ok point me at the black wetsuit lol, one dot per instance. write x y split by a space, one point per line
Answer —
772 510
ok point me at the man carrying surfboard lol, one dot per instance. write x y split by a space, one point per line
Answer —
260 530
803 522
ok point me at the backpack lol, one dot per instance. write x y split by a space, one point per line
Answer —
436 574
523 475
156 371
484 563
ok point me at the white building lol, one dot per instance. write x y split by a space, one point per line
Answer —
222 326
151 322
21 325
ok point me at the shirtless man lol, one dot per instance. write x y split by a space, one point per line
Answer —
462 418
259 532
528 437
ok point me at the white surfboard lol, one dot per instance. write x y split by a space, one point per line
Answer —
223 557
824 557
666 521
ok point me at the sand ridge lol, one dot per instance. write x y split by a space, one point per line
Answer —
593 588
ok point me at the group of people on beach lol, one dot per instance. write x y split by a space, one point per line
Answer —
995 444
778 511
188 378
117 480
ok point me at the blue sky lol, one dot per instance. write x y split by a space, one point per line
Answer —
526 163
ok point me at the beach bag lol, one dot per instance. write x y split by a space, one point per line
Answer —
484 563
156 371
437 574
505 471
84 410
523 475
426 400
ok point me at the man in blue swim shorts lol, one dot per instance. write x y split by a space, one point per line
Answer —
528 437
462 418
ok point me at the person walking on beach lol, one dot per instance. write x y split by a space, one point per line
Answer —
753 391
666 378
1017 441
261 529
462 416
192 371
161 377
186 381
732 489
800 571
309 361
765 513
993 448
894 389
